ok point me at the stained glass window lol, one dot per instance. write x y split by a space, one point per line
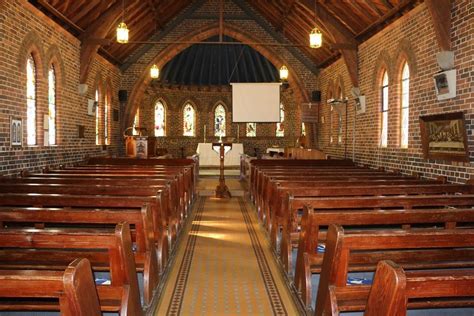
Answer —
106 117
160 115
384 111
303 128
52 106
136 122
219 121
97 138
405 104
280 127
189 121
31 101
251 129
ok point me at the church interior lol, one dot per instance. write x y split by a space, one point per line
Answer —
236 157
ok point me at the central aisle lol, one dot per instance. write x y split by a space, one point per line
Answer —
224 266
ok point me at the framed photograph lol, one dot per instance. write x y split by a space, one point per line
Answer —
443 136
16 132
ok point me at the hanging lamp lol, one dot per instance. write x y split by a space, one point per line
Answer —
283 73
315 37
154 71
122 30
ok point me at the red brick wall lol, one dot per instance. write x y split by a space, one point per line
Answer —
205 101
412 38
25 30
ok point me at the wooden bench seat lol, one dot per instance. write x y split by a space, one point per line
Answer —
411 249
96 201
394 289
290 223
74 288
56 246
314 225
147 261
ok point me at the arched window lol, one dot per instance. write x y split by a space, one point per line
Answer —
384 111
251 129
219 121
405 105
52 106
280 127
97 137
303 128
189 120
136 122
31 101
160 119
106 117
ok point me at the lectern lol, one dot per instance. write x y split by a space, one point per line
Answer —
222 191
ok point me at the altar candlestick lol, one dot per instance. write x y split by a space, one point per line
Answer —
238 132
204 133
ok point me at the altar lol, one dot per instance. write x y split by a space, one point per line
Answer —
209 157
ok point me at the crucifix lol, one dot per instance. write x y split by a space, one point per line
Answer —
222 191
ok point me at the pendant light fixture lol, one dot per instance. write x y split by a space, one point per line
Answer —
283 73
122 30
315 37
154 72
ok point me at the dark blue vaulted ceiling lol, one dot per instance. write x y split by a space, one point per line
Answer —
218 64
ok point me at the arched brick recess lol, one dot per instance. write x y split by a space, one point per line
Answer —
405 52
233 31
32 44
383 63
53 56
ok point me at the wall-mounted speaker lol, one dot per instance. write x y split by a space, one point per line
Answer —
316 96
122 95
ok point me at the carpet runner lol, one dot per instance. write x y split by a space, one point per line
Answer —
224 266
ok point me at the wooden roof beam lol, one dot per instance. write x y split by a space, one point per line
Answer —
340 34
98 29
287 9
440 11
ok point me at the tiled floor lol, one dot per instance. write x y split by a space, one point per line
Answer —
224 266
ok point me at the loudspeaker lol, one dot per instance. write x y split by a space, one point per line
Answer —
316 96
122 95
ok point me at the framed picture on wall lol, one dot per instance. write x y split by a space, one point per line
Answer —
16 132
443 136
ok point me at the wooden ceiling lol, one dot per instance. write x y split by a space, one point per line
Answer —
344 23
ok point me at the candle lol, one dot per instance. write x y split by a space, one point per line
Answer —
238 132
204 133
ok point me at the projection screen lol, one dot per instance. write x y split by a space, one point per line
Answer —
256 102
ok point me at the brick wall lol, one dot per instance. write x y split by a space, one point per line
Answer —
410 38
205 101
24 31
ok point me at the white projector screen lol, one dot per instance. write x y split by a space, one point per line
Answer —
256 102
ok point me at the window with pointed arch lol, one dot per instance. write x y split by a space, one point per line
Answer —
219 121
30 101
189 120
251 129
106 117
280 127
384 111
97 136
405 106
160 119
136 122
51 106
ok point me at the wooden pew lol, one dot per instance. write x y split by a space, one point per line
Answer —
74 288
171 216
411 249
95 201
166 198
44 249
257 164
130 162
146 258
315 222
361 203
393 288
